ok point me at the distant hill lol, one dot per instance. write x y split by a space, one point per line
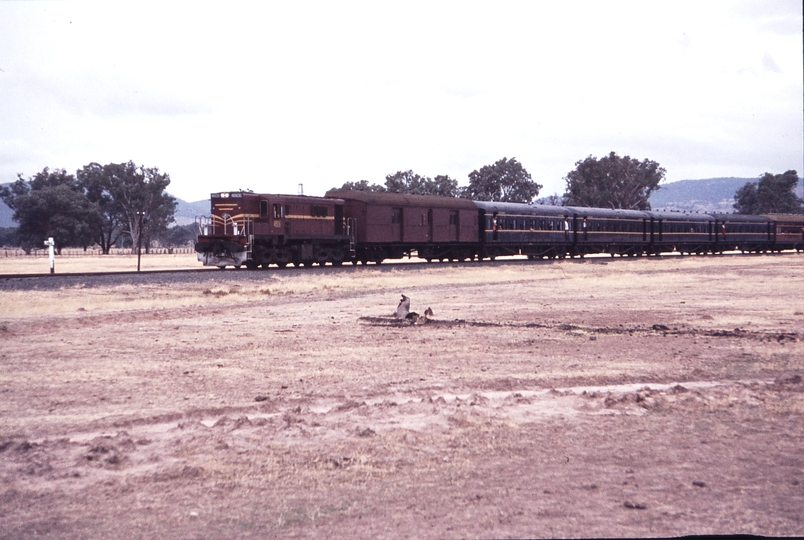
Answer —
5 215
186 211
707 195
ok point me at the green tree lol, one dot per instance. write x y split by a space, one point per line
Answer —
97 182
410 182
745 199
51 203
139 192
613 182
362 185
405 182
772 194
443 185
504 181
551 200
8 237
178 236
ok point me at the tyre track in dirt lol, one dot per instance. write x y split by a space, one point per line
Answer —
146 447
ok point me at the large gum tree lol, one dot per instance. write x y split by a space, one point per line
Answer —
613 182
128 195
771 194
50 204
504 181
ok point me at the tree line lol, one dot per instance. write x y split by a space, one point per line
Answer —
612 181
609 182
106 205
99 205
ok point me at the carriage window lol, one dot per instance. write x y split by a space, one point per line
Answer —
396 215
453 218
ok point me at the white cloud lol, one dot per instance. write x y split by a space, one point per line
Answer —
268 96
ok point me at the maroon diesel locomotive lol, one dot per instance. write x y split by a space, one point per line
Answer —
248 229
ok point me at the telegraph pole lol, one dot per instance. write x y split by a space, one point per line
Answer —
139 239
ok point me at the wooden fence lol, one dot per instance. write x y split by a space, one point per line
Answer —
89 252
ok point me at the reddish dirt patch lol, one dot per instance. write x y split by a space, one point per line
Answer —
635 398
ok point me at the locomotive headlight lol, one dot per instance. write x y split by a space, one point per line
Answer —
224 195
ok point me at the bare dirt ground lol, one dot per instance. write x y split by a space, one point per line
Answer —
606 397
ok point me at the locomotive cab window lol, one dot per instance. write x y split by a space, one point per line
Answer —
263 209
279 211
318 211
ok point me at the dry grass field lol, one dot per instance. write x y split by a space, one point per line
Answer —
603 397
22 264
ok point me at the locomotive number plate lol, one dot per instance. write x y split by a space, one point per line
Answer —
277 224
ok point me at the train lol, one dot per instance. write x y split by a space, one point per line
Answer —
246 229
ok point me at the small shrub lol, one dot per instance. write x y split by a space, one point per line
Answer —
217 294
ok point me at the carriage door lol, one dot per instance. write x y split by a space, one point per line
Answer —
430 225
396 224
338 219
454 225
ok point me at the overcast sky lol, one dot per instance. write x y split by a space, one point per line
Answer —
266 96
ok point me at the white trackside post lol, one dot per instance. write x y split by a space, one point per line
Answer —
52 252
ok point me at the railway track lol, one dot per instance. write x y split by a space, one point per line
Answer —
521 259
101 274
